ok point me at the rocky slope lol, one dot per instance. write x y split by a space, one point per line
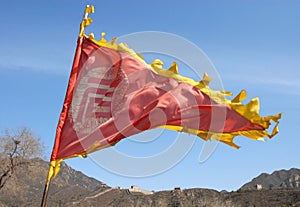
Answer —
282 179
26 186
72 188
193 197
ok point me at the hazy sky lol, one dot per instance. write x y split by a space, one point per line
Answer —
254 45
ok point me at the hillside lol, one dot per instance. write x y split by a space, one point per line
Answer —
194 197
26 186
72 188
282 179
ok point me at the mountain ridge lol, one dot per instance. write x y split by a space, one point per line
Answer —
26 186
73 188
279 179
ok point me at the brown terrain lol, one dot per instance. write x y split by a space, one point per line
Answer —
72 188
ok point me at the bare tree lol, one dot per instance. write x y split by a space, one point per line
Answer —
16 146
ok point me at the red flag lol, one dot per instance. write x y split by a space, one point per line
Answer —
113 94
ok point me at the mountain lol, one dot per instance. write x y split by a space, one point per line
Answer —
193 197
25 187
282 179
72 188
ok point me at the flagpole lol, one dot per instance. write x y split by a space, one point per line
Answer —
86 21
45 194
53 166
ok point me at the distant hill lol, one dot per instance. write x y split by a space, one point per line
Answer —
25 188
282 179
193 198
72 188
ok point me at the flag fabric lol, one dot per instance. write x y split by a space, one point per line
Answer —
113 94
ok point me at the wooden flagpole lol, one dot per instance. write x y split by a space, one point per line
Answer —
45 194
86 21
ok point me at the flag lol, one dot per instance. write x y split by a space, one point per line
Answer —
113 93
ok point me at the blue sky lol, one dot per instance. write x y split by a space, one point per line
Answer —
254 45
